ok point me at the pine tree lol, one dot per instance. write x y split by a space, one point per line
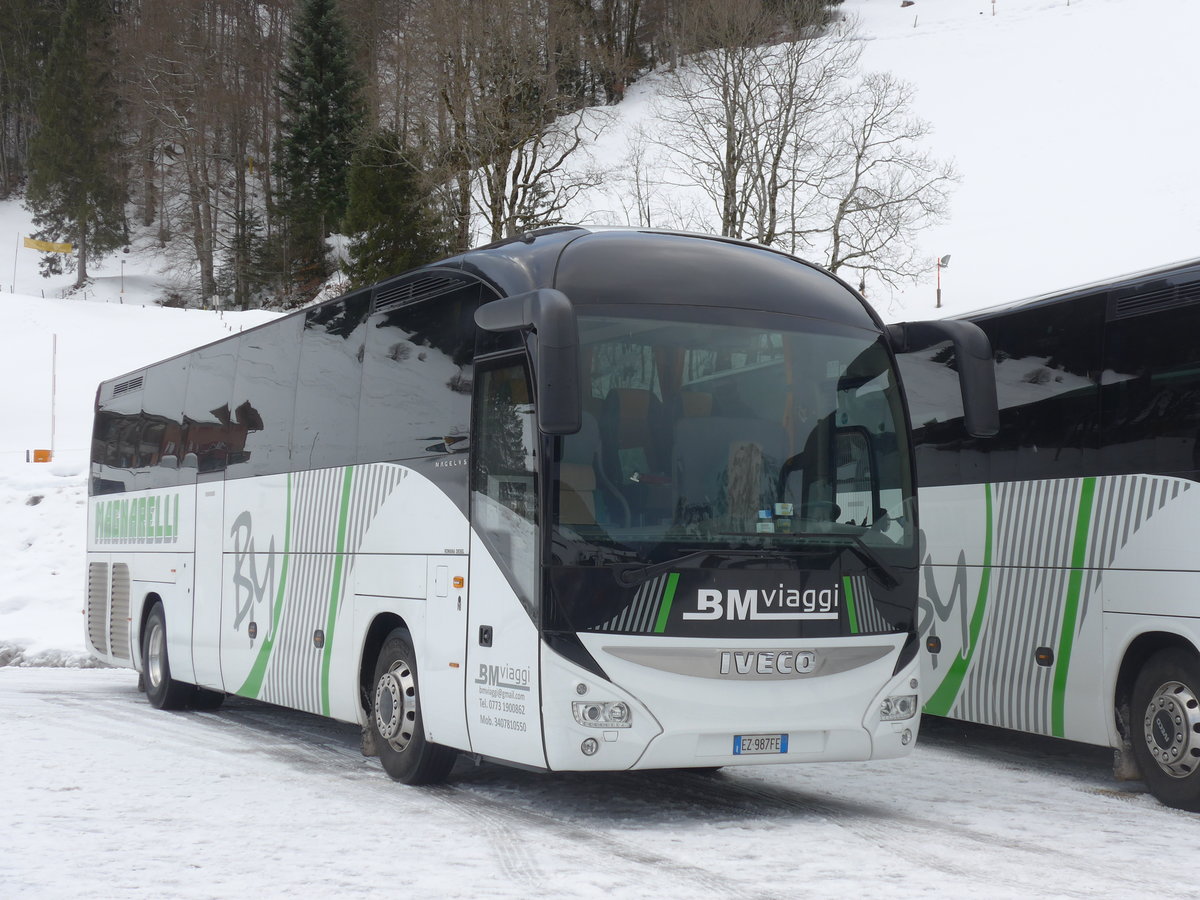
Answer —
321 94
389 213
75 191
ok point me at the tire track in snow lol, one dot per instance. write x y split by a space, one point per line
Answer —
520 821
914 838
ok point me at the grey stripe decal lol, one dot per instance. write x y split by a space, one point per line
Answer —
1035 525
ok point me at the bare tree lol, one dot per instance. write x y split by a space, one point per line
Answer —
200 76
883 187
794 148
746 118
511 140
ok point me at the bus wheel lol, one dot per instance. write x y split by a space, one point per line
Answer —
1166 724
162 690
205 699
396 717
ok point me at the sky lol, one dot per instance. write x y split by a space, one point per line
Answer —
1074 131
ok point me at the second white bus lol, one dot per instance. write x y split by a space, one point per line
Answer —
1060 579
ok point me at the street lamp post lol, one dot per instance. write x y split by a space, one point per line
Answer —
122 278
943 262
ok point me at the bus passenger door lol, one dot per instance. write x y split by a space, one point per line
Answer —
503 693
206 594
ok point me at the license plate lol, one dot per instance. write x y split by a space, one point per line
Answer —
752 744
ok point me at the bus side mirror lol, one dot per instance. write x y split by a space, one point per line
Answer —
551 317
976 373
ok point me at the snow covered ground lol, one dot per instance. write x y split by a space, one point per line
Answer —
1074 134
105 796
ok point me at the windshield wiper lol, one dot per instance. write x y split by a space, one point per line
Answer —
859 548
632 575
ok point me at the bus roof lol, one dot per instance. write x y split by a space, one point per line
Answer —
615 265
1127 280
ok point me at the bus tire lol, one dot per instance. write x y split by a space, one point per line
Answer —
1165 721
206 699
396 721
163 691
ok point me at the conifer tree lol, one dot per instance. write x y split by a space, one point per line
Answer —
75 191
389 213
321 95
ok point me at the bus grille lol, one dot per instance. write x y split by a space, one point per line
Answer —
97 607
118 615
1140 303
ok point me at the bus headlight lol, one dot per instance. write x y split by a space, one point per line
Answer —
601 714
897 709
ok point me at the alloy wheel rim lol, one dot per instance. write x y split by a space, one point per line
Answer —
154 661
396 705
1171 729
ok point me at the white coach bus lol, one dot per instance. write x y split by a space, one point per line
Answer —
1061 584
577 501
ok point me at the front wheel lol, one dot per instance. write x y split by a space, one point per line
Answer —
1166 727
399 731
162 690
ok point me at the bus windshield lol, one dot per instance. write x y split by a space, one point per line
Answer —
731 430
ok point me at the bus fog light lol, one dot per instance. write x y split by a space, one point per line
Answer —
906 738
589 747
899 708
602 714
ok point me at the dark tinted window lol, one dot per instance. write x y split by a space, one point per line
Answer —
416 397
209 433
264 398
325 432
115 437
1047 377
137 434
1151 403
162 406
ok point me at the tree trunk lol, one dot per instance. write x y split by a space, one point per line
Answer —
81 275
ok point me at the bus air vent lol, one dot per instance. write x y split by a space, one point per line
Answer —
118 616
128 386
1141 303
413 290
97 607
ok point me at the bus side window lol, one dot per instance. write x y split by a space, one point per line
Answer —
325 432
417 377
264 398
1151 394
207 416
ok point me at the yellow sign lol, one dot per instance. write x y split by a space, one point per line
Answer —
48 246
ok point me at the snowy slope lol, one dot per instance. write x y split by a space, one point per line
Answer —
1071 123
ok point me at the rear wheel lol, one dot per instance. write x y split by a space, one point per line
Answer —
396 722
205 699
1166 727
162 690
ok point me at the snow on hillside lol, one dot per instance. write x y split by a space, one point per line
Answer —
55 351
1070 124
1062 118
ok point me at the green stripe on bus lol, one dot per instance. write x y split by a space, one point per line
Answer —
1066 640
849 591
253 683
943 698
664 611
337 587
